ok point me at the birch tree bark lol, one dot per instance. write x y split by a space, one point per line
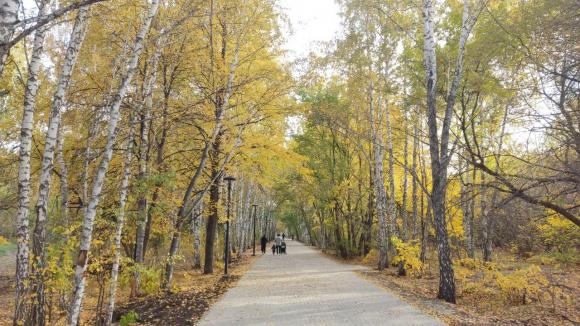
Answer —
64 199
87 229
39 237
378 182
120 221
392 228
404 214
196 228
8 19
22 224
439 148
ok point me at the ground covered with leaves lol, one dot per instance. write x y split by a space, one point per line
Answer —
509 291
192 296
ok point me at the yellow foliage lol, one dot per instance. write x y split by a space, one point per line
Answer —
3 241
560 233
408 254
475 264
371 257
522 285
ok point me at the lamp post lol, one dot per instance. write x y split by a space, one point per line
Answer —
254 247
229 179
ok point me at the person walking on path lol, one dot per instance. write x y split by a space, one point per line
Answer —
278 243
283 236
263 242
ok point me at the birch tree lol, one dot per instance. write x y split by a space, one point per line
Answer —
439 145
40 231
8 19
30 91
114 106
120 221
380 192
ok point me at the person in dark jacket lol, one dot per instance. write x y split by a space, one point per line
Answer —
263 242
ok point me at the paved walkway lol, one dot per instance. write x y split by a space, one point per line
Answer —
306 288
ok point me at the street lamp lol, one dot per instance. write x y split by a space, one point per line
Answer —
229 179
254 249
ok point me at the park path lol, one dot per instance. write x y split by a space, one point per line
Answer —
306 288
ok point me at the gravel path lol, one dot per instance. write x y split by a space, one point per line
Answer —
306 288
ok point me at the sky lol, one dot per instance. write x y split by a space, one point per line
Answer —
312 21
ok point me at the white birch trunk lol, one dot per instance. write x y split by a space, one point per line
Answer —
63 177
120 222
196 227
392 208
22 224
41 208
87 230
404 215
439 148
8 19
379 185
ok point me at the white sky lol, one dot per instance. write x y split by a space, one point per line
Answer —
312 21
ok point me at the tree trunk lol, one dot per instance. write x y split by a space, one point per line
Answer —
22 226
439 148
379 185
196 226
8 20
173 248
211 225
120 222
39 237
404 215
222 102
64 199
392 227
87 230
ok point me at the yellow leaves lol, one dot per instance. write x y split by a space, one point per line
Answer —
371 257
481 279
559 233
408 254
522 285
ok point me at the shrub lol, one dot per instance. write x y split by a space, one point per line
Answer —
560 234
475 277
408 254
522 285
371 258
150 280
129 318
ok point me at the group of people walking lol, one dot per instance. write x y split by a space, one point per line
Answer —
279 246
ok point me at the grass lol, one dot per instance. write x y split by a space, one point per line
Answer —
6 248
